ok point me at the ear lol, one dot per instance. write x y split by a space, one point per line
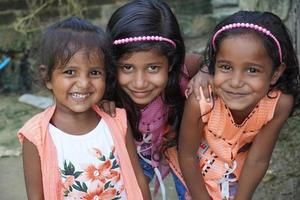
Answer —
44 75
278 72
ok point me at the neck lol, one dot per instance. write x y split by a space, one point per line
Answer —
240 116
75 123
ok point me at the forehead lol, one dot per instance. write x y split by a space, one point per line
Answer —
247 45
83 55
142 57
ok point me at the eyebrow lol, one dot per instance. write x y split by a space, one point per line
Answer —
248 63
223 61
129 63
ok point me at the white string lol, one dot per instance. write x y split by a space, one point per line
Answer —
147 139
226 179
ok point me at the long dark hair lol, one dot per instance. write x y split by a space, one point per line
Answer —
152 18
288 83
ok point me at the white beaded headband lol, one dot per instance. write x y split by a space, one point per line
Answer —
143 39
250 26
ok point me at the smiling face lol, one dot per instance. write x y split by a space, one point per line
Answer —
243 72
78 85
143 75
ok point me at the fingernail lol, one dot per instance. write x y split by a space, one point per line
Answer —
208 99
186 93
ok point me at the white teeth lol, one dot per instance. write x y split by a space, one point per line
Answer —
80 96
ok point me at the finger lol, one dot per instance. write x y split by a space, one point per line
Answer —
196 89
189 89
100 105
187 93
206 93
112 108
106 107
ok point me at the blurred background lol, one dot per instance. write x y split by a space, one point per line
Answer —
20 98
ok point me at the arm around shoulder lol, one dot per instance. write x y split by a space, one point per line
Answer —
192 63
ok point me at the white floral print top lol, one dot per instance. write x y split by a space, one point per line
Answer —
88 164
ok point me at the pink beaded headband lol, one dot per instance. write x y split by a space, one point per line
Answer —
143 39
250 26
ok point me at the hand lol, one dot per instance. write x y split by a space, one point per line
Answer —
201 80
108 106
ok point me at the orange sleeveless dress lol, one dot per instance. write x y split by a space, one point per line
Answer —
225 146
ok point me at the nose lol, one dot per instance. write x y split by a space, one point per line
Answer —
237 80
140 80
83 81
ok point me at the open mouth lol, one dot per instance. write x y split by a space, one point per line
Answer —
80 96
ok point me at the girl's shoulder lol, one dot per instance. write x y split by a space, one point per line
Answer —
35 128
119 121
120 114
285 104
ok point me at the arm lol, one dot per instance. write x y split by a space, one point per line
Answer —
32 171
199 78
142 181
189 142
192 62
259 156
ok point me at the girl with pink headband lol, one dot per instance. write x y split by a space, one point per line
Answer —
225 146
152 77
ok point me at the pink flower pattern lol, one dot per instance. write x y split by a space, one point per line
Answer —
96 181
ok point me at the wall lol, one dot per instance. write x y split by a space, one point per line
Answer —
19 19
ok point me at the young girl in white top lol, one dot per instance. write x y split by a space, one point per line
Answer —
72 150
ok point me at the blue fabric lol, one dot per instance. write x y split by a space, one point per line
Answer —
147 168
4 62
180 189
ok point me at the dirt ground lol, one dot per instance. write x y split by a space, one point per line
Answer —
12 182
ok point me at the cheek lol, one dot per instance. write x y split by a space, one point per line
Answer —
123 79
260 85
160 80
218 79
99 84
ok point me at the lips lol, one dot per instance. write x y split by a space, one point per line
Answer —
140 94
235 94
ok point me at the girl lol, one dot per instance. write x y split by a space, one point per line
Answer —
151 74
72 150
225 146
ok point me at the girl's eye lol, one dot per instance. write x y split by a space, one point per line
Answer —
253 70
225 68
97 73
126 68
153 68
69 72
